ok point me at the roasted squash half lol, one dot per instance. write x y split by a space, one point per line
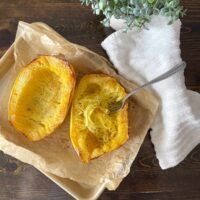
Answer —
41 96
93 130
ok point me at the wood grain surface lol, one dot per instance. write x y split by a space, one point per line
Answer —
146 181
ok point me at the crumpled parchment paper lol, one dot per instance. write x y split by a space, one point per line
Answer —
55 153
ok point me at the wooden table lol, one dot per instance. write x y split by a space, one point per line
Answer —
19 181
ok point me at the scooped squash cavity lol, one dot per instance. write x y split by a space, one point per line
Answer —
93 130
41 96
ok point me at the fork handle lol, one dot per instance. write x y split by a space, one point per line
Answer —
159 78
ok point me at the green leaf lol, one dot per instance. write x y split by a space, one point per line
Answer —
151 1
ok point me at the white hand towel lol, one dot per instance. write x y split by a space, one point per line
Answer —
142 56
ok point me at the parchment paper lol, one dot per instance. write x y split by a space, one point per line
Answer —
55 153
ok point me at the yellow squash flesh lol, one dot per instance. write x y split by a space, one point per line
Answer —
93 130
41 96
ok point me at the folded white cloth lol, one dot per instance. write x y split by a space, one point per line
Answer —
140 57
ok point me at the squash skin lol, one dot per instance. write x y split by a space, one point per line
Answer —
41 96
88 142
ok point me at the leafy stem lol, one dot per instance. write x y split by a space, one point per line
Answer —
136 13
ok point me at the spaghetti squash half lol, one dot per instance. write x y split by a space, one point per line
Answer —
41 96
93 130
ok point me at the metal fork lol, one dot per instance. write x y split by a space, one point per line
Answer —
117 105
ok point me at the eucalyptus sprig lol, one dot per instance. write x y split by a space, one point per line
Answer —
136 12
